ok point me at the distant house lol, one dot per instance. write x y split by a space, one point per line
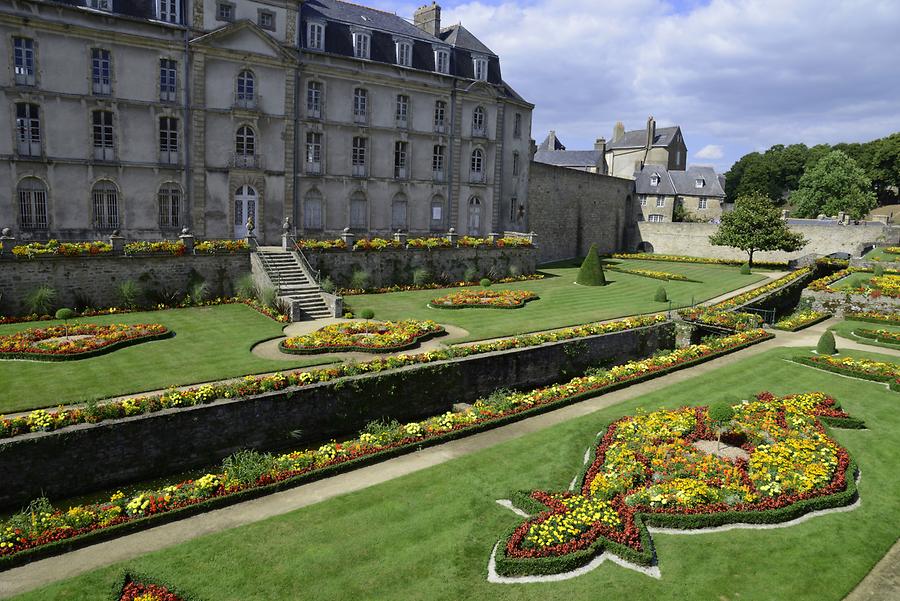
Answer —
698 190
629 151
553 152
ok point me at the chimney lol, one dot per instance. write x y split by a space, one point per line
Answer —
428 19
618 131
600 145
651 131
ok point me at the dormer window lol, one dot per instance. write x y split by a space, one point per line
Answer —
315 36
362 43
654 179
99 4
442 61
480 66
404 53
699 182
169 10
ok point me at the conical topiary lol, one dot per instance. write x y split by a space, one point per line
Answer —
745 269
591 272
826 344
661 296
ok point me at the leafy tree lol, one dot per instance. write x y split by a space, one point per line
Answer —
720 416
591 272
66 314
755 224
836 183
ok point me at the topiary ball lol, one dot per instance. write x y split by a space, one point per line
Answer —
485 282
367 313
826 344
65 314
745 269
720 414
661 296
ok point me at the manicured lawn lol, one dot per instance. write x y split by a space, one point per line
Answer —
847 327
878 254
854 280
562 302
210 343
428 535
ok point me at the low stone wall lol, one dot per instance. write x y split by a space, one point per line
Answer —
389 267
693 239
89 457
838 303
94 280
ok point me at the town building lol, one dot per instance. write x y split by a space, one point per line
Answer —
694 194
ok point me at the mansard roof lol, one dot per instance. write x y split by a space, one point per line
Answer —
681 183
141 9
365 17
460 37
638 138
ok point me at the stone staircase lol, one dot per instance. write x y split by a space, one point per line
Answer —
293 283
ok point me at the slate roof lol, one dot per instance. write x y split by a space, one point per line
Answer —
638 137
363 16
569 158
681 183
142 9
460 37
557 143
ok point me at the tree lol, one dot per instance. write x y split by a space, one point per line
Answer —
591 272
65 314
755 224
835 184
720 416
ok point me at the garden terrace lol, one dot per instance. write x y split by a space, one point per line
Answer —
850 327
425 515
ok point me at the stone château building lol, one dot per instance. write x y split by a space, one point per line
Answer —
146 116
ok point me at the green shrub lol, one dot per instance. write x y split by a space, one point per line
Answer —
41 300
878 271
385 431
421 276
591 272
65 314
247 467
367 313
485 282
269 297
661 296
826 344
198 292
328 285
470 274
360 279
246 287
745 269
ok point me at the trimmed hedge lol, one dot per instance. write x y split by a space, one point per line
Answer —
88 354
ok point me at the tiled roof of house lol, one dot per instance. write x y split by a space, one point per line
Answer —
681 183
569 158
363 16
638 138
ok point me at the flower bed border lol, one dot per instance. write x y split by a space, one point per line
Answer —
519 305
655 275
409 344
114 346
700 260
873 335
892 383
128 576
804 325
344 464
869 317
414 288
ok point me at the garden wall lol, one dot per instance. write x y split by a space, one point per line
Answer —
89 457
838 303
693 239
389 267
97 278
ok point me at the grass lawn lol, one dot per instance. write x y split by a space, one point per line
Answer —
845 329
210 343
562 302
428 535
854 280
878 254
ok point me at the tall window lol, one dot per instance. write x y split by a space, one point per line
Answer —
314 99
361 44
477 166
245 96
517 126
399 210
169 10
360 105
401 160
105 198
169 200
480 66
225 11
28 129
101 72
404 54
474 220
359 156
32 204
313 211
168 80
437 214
359 212
437 163
313 152
442 61
245 141
702 204
479 122
402 110
104 136
168 140
512 208
515 165
315 36
23 61
440 116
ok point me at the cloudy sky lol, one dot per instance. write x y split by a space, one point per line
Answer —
736 75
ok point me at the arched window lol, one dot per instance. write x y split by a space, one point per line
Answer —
399 212
474 216
169 200
359 211
245 141
477 167
479 122
32 204
313 210
245 96
437 214
105 201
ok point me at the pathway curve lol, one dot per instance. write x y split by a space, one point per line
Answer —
50 570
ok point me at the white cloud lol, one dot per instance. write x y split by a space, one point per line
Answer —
710 151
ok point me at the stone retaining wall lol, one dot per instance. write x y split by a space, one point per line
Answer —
838 303
89 457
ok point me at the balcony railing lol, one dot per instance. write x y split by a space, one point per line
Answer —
437 175
246 161
101 88
246 101
360 171
477 177
314 113
361 118
25 78
313 168
402 123
479 131
29 149
104 153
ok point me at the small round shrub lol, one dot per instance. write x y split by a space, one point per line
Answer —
826 344
745 269
485 283
661 296
65 314
720 414
879 271
367 313
348 315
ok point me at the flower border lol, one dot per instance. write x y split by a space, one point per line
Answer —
656 275
837 365
95 352
486 305
802 323
411 342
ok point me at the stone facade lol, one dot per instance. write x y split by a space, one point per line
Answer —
839 303
570 210
628 151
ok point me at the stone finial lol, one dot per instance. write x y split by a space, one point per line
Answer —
117 242
8 241
400 236
348 237
187 238
6 232
452 237
285 233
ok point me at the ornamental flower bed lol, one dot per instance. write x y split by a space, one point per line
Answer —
887 285
77 341
336 244
60 249
489 299
729 320
47 421
363 336
656 275
747 297
885 336
42 530
865 369
653 469
139 590
428 243
874 317
709 261
894 250
800 320
435 285
168 247
220 247
377 244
